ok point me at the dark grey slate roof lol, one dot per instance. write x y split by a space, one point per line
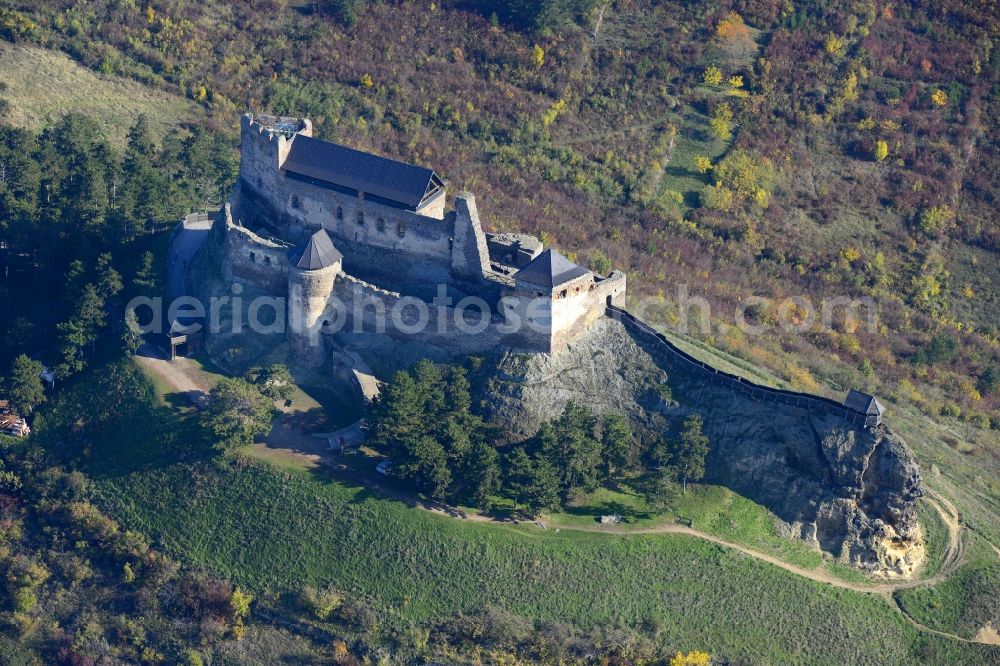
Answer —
318 252
549 269
862 402
399 182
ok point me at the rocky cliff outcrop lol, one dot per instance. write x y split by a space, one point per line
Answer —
849 490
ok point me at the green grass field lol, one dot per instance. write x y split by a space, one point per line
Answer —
43 85
276 529
964 602
711 509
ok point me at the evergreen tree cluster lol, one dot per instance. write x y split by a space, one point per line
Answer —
424 421
576 452
71 211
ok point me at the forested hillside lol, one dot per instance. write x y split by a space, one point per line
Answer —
742 148
751 147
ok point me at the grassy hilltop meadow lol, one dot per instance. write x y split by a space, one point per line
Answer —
808 149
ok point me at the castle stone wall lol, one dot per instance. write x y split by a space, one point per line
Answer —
437 244
565 314
254 259
412 253
370 308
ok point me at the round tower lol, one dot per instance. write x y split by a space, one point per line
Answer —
310 282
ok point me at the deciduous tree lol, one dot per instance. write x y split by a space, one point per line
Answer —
237 413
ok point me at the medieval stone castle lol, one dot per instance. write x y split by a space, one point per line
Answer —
324 224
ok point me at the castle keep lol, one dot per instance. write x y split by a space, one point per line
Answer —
323 224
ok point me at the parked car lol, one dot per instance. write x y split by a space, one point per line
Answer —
384 467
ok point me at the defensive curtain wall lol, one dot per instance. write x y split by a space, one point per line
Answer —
810 402
337 301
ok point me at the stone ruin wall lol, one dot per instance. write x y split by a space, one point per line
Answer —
357 296
253 259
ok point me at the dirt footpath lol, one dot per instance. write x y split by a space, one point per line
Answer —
181 376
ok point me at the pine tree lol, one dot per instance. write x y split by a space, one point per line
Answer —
80 180
20 184
145 280
519 475
532 480
24 385
140 138
661 491
144 189
427 466
131 333
484 471
398 417
543 492
91 313
616 444
75 275
688 458
72 338
571 448
109 281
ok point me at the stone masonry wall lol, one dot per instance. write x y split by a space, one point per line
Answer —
436 243
363 305
254 259
574 315
570 311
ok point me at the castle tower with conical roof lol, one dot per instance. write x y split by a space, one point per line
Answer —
314 269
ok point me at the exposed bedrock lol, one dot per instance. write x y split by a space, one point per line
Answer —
849 490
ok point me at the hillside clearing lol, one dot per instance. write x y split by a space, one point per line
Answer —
43 85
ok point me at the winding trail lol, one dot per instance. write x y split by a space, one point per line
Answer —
183 378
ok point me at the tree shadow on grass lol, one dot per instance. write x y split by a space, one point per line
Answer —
628 513
185 400
681 172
